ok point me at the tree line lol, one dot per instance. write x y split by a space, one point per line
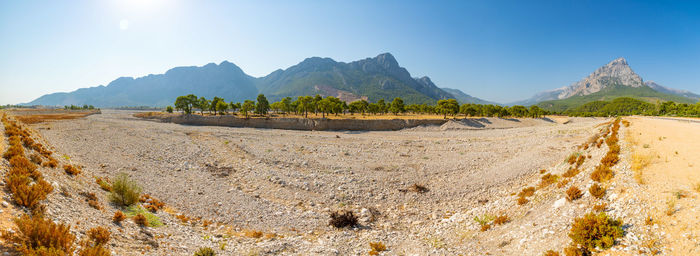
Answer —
330 105
74 107
625 106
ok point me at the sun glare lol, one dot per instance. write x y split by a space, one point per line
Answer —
124 24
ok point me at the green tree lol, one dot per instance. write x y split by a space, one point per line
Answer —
449 106
214 103
221 107
235 106
304 105
287 104
397 106
262 106
169 109
248 105
382 107
203 104
535 111
358 106
185 103
325 106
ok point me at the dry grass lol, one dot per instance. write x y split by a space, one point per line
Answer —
548 179
252 233
118 217
522 201
71 170
526 192
551 253
597 191
99 235
670 207
639 162
595 231
39 236
33 119
573 193
563 183
140 220
600 207
602 173
501 219
571 173
376 248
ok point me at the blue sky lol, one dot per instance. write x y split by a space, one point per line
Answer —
496 50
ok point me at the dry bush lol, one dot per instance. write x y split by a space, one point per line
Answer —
610 159
30 195
600 207
35 158
39 236
13 150
572 158
125 191
543 171
626 123
551 253
71 170
573 250
595 231
91 199
485 227
522 200
205 251
548 179
51 163
599 143
104 185
602 173
99 235
140 220
252 233
376 248
344 219
563 183
585 146
415 188
597 191
573 193
571 173
580 160
183 218
119 216
94 251
152 204
528 191
648 221
501 219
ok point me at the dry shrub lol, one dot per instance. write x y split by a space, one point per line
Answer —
528 191
183 218
595 231
485 227
551 253
626 123
610 159
51 163
648 221
205 251
91 199
585 146
140 220
30 195
602 173
600 207
580 160
125 191
501 219
543 171
563 183
597 191
344 219
599 143
119 216
670 207
39 236
573 250
21 162
571 173
99 235
104 185
94 251
376 248
571 159
573 193
415 188
152 204
71 170
522 201
252 233
35 158
548 179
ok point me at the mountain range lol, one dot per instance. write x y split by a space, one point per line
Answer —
371 79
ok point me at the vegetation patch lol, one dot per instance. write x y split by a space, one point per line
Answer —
548 179
143 217
71 170
597 191
573 193
376 248
595 231
343 219
602 173
125 191
205 251
38 236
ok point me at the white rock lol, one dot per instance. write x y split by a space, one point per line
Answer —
559 203
5 204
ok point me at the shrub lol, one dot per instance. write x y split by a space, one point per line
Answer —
376 248
152 220
595 231
140 220
573 193
563 183
39 236
580 160
103 184
571 159
573 250
13 150
501 219
205 251
610 159
119 216
522 200
571 173
597 191
484 219
252 233
600 207
94 251
551 253
599 143
529 191
30 195
51 163
99 235
71 170
341 220
543 171
125 192
602 173
35 158
548 179
485 227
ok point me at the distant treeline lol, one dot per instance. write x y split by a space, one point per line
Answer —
74 107
625 106
332 105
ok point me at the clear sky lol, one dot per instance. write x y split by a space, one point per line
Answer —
496 50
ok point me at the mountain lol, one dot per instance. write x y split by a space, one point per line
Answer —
375 78
615 79
463 98
660 88
224 80
371 79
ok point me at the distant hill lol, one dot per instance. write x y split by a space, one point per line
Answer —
463 98
660 88
224 80
375 78
371 79
615 79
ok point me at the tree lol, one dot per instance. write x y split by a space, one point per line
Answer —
468 109
535 111
214 103
263 105
185 103
519 111
397 106
235 106
169 109
286 104
314 103
324 105
449 106
203 104
221 107
381 106
247 106
304 104
358 106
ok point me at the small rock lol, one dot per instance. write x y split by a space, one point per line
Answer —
559 203
5 204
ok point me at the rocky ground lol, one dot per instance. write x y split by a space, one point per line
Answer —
271 191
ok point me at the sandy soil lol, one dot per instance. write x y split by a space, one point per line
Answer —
673 148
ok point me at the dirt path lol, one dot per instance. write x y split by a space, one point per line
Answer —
672 149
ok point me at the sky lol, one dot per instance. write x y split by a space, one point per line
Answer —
496 50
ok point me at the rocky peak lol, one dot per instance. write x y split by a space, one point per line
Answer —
617 72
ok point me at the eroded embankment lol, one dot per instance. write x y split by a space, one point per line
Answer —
302 124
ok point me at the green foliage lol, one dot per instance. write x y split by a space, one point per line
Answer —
397 106
205 251
247 106
152 220
262 106
449 106
169 109
595 231
186 103
125 191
